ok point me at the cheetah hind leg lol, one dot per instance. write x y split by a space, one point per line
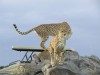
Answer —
44 39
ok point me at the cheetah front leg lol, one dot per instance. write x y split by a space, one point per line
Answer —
52 59
61 60
55 57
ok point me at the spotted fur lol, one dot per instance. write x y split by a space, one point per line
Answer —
46 30
57 45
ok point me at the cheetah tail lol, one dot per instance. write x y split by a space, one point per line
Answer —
22 33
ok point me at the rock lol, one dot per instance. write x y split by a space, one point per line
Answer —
73 65
70 65
11 69
22 69
68 68
94 58
4 74
47 70
96 62
70 55
87 71
98 70
85 62
60 71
